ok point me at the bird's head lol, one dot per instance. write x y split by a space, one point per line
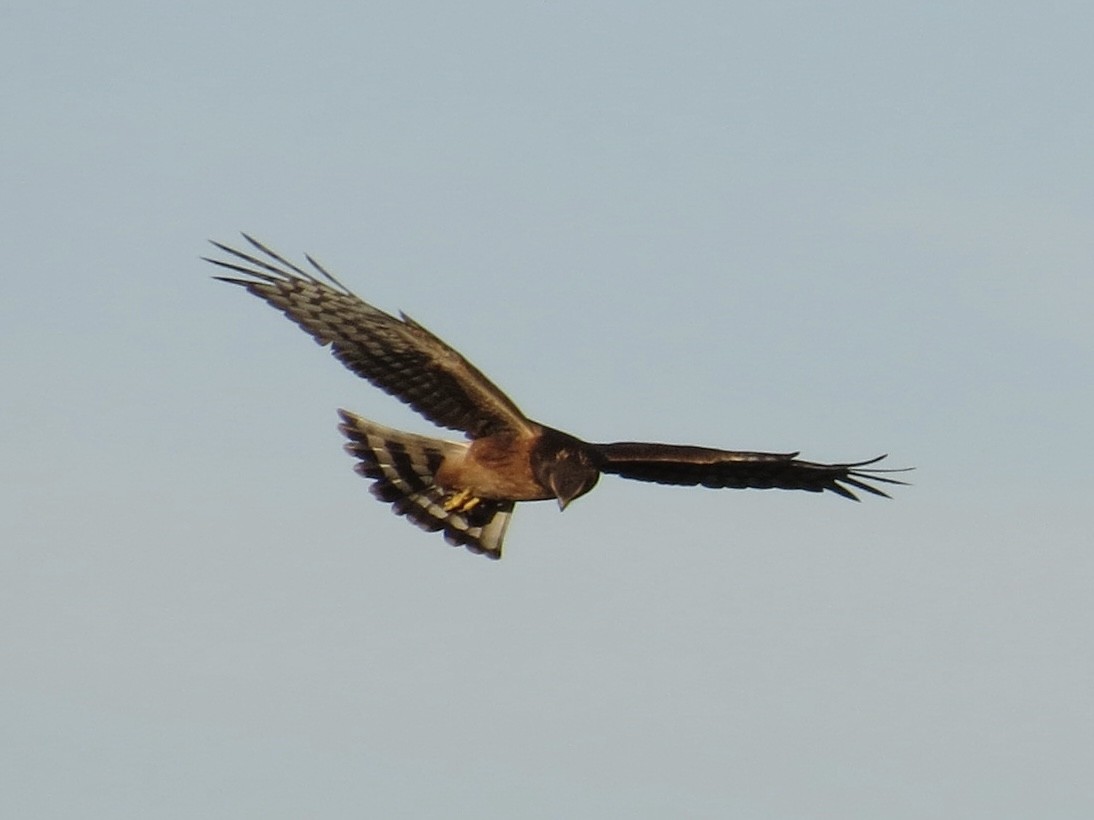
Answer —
568 471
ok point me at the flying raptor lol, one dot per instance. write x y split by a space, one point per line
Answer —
468 489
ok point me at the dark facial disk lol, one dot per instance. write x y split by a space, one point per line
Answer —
565 465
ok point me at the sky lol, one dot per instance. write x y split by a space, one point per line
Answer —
845 228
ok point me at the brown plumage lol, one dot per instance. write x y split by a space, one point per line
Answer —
468 489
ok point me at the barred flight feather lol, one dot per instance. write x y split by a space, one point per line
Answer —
402 468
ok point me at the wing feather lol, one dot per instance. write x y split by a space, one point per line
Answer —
396 354
703 466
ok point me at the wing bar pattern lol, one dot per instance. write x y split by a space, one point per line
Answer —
396 354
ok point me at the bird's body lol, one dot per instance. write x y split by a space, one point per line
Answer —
468 489
496 467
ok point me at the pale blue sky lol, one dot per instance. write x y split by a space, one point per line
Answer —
845 228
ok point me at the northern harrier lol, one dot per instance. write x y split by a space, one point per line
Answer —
468 489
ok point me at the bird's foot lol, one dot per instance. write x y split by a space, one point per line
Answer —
463 501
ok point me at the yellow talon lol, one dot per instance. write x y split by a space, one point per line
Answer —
463 501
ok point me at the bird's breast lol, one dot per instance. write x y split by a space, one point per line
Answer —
497 467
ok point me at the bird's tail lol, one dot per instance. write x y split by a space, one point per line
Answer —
402 467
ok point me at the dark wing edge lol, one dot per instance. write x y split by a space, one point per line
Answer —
396 354
718 469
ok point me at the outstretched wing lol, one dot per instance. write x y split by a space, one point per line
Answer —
396 354
695 466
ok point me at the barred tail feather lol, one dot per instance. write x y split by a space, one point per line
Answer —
402 466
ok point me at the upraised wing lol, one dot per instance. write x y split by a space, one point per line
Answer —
703 466
396 354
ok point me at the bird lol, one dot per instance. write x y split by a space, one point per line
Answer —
468 489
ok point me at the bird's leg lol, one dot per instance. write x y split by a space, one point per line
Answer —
463 502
